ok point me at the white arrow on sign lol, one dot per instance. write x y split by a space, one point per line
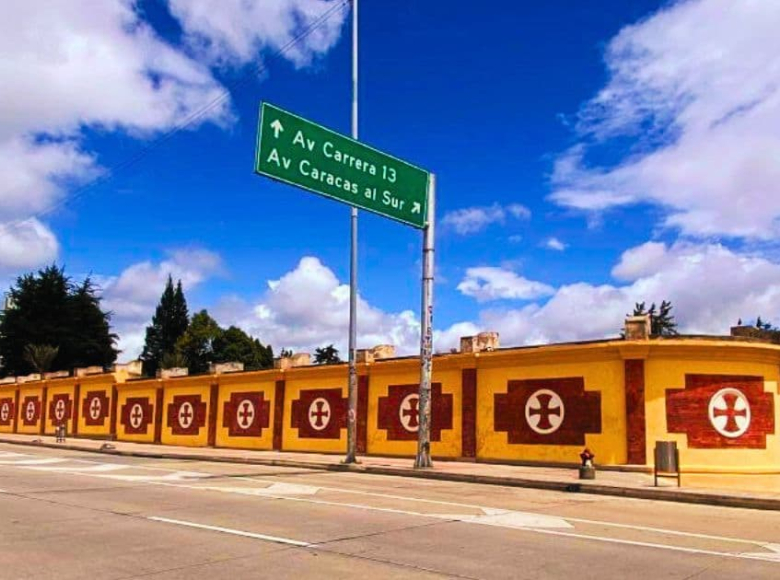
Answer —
416 207
277 127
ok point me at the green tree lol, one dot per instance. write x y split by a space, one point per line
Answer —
234 344
169 323
662 321
327 355
196 345
205 342
49 309
41 356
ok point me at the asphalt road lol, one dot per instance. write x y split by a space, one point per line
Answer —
79 515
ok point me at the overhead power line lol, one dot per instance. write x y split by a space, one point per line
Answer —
141 154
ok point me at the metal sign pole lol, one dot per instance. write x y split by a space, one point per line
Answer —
423 458
353 386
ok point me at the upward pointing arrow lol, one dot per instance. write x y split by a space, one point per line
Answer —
277 127
416 207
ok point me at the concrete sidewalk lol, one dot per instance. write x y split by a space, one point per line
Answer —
631 484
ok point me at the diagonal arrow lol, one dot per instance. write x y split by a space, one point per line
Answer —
277 127
416 207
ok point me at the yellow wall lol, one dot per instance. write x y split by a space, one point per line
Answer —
196 385
99 383
136 389
35 389
312 378
602 369
59 387
256 382
447 371
666 367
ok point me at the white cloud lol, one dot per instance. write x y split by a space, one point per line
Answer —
133 295
555 244
71 65
710 286
308 307
472 220
26 244
235 32
491 283
697 88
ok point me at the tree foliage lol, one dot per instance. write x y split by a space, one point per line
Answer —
327 355
206 342
169 323
50 309
41 356
662 321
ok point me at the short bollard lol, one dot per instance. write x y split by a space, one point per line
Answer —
587 470
60 433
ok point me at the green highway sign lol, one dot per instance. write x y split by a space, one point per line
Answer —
302 153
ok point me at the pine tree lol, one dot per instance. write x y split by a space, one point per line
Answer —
662 321
169 323
49 309
663 324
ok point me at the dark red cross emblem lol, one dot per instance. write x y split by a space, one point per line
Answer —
186 415
6 411
399 412
689 411
411 412
730 412
528 414
246 414
309 414
136 415
60 408
95 408
30 411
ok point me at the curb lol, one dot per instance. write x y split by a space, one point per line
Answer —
656 494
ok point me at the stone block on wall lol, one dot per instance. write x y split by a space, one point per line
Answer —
226 367
173 373
638 327
484 341
86 371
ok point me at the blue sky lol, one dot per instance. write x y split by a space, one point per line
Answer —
574 144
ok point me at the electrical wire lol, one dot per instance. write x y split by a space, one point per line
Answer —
179 127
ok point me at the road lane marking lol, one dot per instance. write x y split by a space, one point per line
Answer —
568 519
774 555
764 557
245 534
98 467
493 516
26 462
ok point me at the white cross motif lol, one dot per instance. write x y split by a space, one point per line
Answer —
59 409
29 411
245 415
409 412
544 411
729 413
4 412
319 414
186 415
136 416
94 408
